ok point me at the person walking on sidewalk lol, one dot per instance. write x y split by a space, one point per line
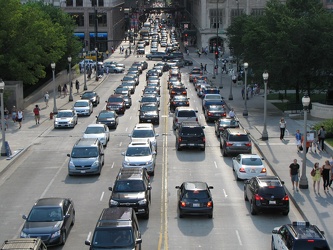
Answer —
36 113
298 137
316 177
77 86
14 114
326 169
321 137
283 126
20 117
294 174
64 89
308 143
46 98
314 143
59 91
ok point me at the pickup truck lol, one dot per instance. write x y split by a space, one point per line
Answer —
212 99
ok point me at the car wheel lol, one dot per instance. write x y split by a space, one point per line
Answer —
146 216
63 238
224 152
178 147
285 213
152 173
73 221
252 208
210 216
203 149
181 215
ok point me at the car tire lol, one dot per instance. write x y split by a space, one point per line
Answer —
210 216
285 213
146 216
245 196
224 152
178 147
203 149
63 238
252 208
181 215
73 221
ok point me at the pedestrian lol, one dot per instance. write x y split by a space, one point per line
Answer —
243 92
37 114
307 143
316 176
6 116
298 137
14 114
59 91
201 67
64 89
77 86
294 174
46 98
314 143
232 113
20 117
321 137
326 169
283 126
205 68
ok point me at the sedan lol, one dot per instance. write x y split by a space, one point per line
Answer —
247 166
98 131
65 119
214 112
92 96
83 107
49 219
224 123
195 198
108 117
179 101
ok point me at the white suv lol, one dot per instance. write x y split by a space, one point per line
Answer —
140 154
144 131
183 114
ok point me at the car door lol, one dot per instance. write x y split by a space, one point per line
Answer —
107 132
250 189
282 238
237 163
67 215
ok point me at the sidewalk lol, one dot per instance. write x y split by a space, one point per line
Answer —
316 208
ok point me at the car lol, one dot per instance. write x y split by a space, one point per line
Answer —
89 62
209 90
298 235
153 78
83 107
144 131
235 141
99 131
173 55
212 99
150 98
247 166
114 68
109 118
149 112
131 85
140 153
190 135
266 193
223 123
179 101
140 49
151 90
151 72
195 198
194 72
178 90
132 188
65 119
214 112
183 114
131 78
49 219
155 55
92 96
116 103
116 227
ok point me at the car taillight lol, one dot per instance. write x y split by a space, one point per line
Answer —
176 119
173 103
209 204
242 170
248 144
173 92
187 103
209 113
224 114
179 139
183 204
196 119
229 144
204 139
258 197
184 92
263 170
285 198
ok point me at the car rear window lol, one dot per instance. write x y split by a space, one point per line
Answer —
187 113
276 191
196 194
252 161
238 138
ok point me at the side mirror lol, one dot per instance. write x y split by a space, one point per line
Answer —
110 188
210 187
24 217
68 155
177 187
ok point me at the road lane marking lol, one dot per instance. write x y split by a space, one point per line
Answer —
225 193
112 165
120 144
102 196
239 239
215 164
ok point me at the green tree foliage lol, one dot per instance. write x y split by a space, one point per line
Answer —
292 41
31 38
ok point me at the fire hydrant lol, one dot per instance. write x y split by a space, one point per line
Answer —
51 115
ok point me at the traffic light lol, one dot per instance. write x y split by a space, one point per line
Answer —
216 54
185 38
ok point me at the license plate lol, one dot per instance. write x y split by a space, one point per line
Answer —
191 144
238 144
196 204
148 120
272 202
83 171
253 170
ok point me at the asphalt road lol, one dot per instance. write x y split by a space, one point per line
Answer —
42 172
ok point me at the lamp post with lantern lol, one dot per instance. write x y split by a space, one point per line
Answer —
245 112
3 126
55 110
70 79
264 136
96 70
84 71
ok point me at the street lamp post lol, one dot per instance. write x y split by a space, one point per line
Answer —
264 132
303 183
84 71
230 93
55 110
70 79
245 112
96 50
3 126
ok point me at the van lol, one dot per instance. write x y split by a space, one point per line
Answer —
87 157
24 244
117 227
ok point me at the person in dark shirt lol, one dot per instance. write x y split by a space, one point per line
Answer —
294 174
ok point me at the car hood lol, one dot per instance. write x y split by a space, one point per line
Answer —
98 136
148 113
83 161
137 159
63 119
128 196
41 227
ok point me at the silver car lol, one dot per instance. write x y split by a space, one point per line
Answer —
65 119
83 107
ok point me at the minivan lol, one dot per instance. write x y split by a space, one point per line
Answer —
87 157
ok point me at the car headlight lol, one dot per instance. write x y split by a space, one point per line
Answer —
149 162
113 203
56 234
71 164
142 202
142 116
126 162
24 235
95 164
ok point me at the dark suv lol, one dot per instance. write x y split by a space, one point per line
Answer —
132 189
191 135
235 141
299 236
266 193
116 228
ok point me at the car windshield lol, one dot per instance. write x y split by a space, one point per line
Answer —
84 152
129 186
140 133
106 115
216 108
81 104
145 108
130 84
113 238
64 114
138 151
314 245
115 99
228 123
196 194
187 113
192 131
148 99
128 78
252 161
213 97
180 98
45 214
88 95
94 130
239 138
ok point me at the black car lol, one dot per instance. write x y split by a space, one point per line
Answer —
149 113
49 219
195 198
92 96
150 98
151 72
190 135
132 188
155 55
179 101
151 90
130 85
108 117
214 112
131 78
164 66
224 123
178 90
266 193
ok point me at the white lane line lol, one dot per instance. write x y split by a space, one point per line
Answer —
102 196
239 239
225 193
88 236
126 129
112 165
215 164
120 143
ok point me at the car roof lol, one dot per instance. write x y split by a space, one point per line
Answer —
195 185
237 131
144 142
305 230
65 110
250 156
83 100
144 126
53 201
185 108
96 125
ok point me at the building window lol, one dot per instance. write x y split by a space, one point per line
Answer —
93 2
100 3
78 18
216 17
101 20
69 2
257 12
236 12
79 2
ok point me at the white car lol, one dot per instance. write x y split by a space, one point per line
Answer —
144 131
65 119
83 107
247 166
98 131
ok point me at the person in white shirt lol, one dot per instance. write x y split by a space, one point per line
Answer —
232 113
